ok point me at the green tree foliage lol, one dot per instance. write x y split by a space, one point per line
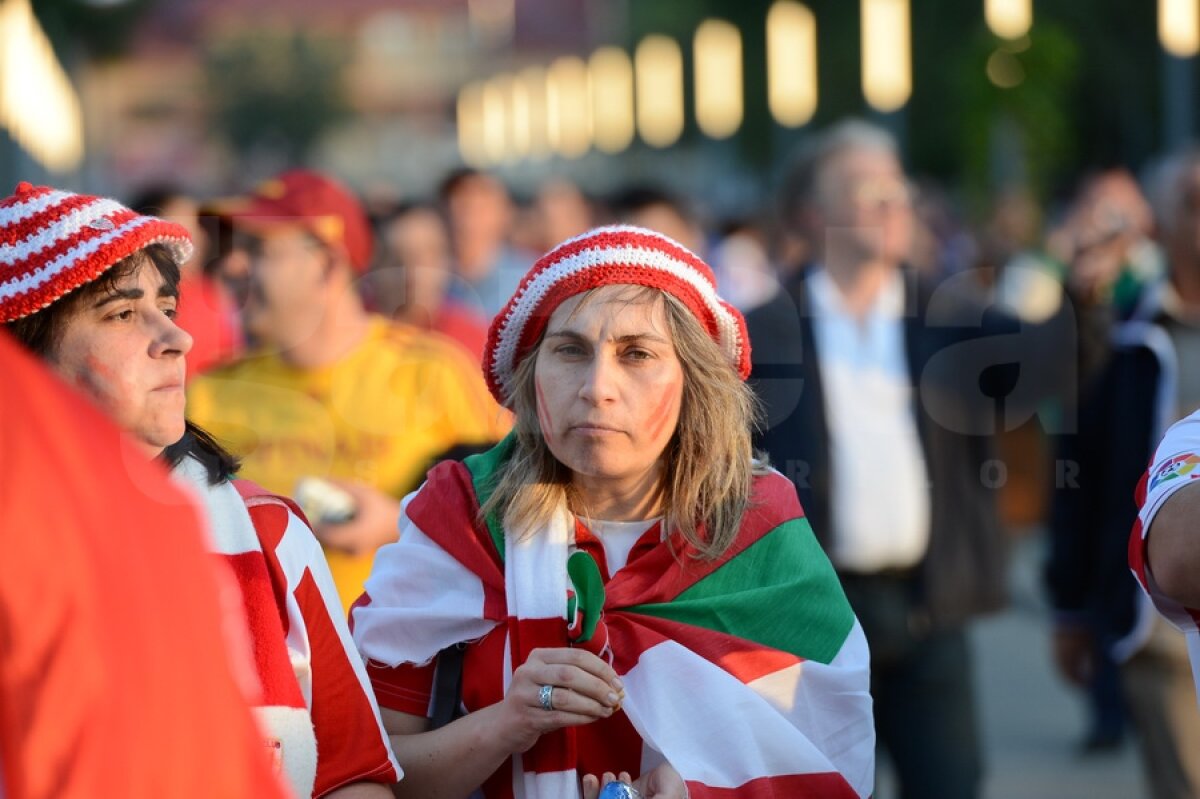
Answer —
99 28
276 90
1014 103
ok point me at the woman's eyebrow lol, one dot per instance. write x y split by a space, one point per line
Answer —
119 294
622 339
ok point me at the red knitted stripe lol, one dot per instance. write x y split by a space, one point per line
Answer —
78 273
625 238
601 245
40 258
23 192
743 341
15 233
609 274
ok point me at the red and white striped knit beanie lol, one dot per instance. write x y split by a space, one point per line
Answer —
614 255
52 242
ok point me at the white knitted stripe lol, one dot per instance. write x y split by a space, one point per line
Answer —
536 290
19 212
60 230
35 279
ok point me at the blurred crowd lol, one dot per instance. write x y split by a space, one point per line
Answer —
934 382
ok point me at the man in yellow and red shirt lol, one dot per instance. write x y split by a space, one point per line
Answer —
333 391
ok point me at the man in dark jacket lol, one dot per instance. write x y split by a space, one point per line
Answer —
883 394
1149 379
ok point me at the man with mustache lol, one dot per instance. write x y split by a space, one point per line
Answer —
334 391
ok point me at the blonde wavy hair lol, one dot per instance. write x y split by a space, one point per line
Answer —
709 461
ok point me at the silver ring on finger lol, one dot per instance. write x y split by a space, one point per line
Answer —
546 697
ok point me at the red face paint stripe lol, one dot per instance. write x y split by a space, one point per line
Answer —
662 413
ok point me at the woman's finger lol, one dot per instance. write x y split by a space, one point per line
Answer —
580 658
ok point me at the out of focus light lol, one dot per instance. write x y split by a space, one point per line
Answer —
517 113
612 99
1008 19
495 126
38 105
470 125
1179 27
886 53
717 50
791 63
658 78
1004 70
534 81
567 93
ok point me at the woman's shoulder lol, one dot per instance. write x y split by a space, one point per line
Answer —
773 499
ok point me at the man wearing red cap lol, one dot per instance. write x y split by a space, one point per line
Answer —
334 391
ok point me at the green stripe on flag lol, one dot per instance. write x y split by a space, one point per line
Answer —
484 468
780 592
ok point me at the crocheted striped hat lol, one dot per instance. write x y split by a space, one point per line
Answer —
52 242
614 255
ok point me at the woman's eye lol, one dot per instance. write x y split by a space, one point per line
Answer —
570 350
639 354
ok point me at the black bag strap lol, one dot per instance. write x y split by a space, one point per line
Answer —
447 686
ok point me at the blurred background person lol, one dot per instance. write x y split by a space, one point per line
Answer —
658 209
881 398
479 213
559 211
1105 241
1147 377
410 280
334 392
207 308
745 275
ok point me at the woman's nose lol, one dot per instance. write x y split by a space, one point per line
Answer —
599 384
173 339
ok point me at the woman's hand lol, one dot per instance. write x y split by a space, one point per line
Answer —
585 689
663 782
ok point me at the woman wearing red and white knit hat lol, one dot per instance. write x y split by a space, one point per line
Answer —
634 596
92 287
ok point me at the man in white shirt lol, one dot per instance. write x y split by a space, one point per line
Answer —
882 395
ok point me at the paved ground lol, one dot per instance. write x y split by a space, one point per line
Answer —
1032 721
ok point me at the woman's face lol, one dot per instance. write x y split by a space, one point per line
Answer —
125 351
609 388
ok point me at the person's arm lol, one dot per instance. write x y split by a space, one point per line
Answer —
1173 547
354 759
452 761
